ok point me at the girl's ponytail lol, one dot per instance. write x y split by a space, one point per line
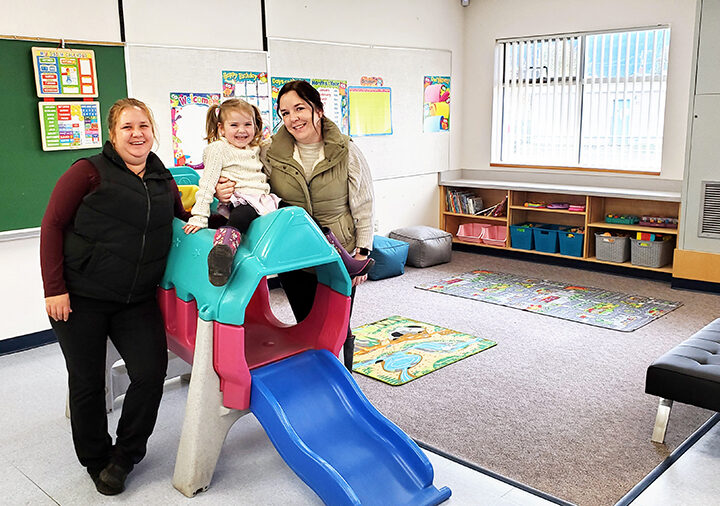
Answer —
212 122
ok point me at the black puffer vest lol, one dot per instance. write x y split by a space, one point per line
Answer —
117 247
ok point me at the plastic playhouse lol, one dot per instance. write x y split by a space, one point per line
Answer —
245 360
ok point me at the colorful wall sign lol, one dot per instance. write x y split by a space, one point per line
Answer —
253 87
64 72
370 110
436 104
70 125
187 116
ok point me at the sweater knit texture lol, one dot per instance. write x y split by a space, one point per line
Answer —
242 166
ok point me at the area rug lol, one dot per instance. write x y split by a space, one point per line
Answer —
583 304
396 350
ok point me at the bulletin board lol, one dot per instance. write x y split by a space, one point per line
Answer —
158 71
408 150
29 173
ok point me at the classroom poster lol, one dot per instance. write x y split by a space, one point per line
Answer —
69 125
370 110
333 94
371 81
275 84
187 116
253 87
64 72
436 104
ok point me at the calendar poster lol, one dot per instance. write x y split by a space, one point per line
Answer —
69 125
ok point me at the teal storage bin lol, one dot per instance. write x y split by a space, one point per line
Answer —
390 256
521 236
546 238
571 243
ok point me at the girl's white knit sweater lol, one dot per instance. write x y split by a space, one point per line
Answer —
240 165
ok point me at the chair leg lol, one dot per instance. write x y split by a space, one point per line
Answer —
661 421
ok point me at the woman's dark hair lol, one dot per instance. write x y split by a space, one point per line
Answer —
306 91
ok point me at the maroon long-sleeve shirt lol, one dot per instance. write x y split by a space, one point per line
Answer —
79 180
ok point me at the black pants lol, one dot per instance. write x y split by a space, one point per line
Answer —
241 216
138 333
300 287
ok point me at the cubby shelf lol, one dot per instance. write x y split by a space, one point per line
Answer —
591 220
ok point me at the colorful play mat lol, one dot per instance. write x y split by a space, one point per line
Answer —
583 304
396 350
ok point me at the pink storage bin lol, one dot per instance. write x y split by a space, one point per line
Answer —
494 235
471 232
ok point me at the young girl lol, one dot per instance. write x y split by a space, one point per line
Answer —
234 130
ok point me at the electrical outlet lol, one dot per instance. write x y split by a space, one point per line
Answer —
376 225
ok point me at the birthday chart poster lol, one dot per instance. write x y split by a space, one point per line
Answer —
334 97
70 125
436 104
253 87
187 116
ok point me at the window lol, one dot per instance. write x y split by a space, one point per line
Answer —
593 100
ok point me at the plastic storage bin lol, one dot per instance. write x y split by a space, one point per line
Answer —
494 235
546 238
651 253
623 219
521 236
471 232
571 243
610 248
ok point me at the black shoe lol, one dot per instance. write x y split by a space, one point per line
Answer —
220 260
111 480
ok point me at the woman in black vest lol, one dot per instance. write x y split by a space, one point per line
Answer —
104 242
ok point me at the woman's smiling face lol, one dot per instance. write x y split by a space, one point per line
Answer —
133 136
299 118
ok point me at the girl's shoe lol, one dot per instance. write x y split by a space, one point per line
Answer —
220 258
354 266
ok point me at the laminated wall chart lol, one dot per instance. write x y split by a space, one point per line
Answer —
253 87
333 94
370 110
67 73
187 118
69 125
436 104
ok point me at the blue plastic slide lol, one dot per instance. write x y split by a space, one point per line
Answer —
334 439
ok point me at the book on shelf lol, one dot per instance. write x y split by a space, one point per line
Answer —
462 201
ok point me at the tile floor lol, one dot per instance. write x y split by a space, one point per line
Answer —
39 467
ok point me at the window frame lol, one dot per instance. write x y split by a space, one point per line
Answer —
578 80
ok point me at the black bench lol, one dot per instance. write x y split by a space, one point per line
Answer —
689 373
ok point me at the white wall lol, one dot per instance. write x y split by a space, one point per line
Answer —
86 20
400 202
487 20
212 23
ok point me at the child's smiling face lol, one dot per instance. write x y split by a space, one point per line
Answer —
238 128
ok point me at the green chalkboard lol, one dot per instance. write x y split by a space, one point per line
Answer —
29 173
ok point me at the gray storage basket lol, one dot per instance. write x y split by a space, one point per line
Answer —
611 248
651 253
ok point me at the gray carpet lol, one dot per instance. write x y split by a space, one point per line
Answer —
556 405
